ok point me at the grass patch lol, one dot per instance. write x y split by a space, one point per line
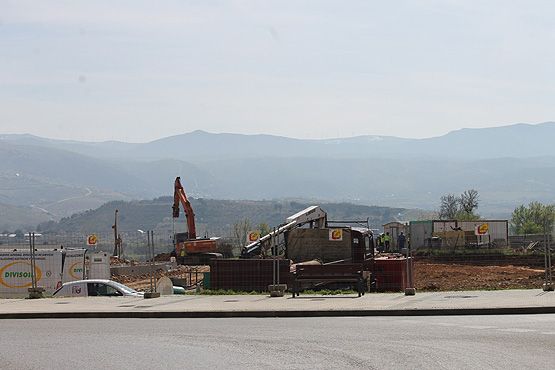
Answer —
446 252
330 292
224 292
240 292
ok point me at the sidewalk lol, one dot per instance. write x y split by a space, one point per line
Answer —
372 304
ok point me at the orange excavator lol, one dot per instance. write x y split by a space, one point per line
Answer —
189 249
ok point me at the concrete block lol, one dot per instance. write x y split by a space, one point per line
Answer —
149 295
277 290
36 293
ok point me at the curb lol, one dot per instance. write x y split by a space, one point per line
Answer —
284 314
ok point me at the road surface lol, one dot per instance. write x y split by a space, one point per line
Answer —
441 342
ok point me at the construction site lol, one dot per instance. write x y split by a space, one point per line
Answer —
307 252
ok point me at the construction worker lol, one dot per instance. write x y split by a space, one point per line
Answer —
387 241
379 243
182 254
401 241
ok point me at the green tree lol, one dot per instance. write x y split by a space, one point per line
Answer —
465 216
460 208
263 228
468 201
449 207
240 230
536 218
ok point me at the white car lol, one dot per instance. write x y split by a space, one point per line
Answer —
95 288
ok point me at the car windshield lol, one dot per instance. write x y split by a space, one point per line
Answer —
123 288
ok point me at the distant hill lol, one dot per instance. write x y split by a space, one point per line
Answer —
24 218
62 182
508 165
516 141
214 216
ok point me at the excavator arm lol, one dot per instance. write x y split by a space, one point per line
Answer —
179 196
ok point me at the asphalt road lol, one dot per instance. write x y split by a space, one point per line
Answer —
440 342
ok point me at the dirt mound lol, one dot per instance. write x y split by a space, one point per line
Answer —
439 276
162 257
115 261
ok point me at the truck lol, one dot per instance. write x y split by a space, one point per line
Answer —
313 216
190 249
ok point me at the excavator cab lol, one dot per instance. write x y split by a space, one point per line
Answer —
181 237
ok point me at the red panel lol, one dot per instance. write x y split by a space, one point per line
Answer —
247 274
391 274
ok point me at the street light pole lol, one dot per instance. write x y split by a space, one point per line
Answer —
150 253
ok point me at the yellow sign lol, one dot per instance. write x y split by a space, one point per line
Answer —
253 236
482 229
336 235
92 239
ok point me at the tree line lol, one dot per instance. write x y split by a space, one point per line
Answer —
535 218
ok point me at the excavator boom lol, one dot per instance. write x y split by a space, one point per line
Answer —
179 196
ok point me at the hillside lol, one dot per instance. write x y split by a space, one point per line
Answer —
215 216
508 165
24 218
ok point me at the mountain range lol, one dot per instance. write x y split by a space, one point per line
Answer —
518 140
49 179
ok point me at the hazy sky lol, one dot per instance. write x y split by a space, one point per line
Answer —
137 71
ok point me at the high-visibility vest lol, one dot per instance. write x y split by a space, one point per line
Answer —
386 238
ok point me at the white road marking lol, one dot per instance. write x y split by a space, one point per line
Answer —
479 327
516 330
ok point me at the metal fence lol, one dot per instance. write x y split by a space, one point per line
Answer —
134 243
525 264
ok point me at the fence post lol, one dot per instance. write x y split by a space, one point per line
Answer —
150 252
409 289
548 284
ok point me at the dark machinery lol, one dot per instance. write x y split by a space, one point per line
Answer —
189 249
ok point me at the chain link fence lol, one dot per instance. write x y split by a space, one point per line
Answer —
521 265
134 243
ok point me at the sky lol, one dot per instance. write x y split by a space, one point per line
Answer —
141 70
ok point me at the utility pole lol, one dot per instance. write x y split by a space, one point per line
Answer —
117 250
548 284
276 289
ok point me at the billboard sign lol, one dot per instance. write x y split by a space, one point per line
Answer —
16 272
74 265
